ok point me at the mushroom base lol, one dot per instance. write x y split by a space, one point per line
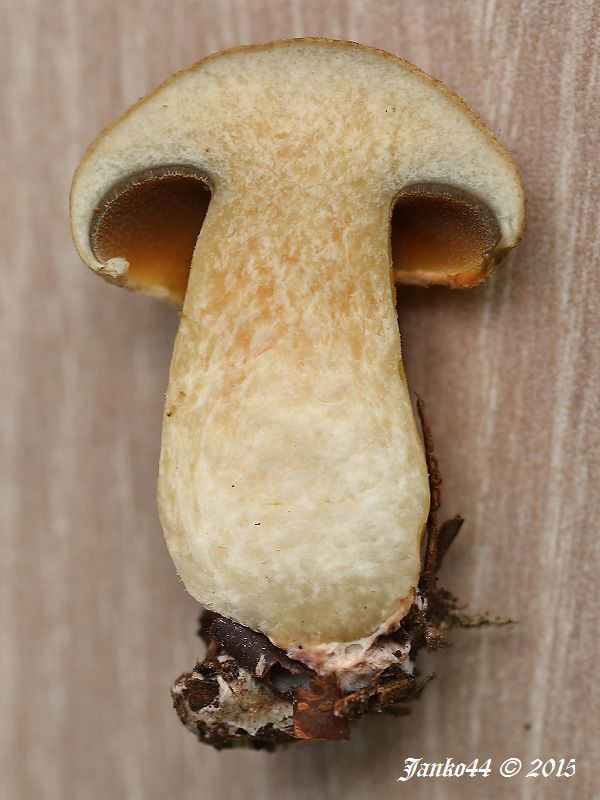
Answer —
249 693
227 704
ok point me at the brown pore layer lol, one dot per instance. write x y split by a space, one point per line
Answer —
320 708
152 219
441 234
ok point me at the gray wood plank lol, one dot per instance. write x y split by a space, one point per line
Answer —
94 624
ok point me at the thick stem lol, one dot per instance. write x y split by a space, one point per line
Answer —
293 490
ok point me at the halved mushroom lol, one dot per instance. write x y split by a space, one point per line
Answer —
293 491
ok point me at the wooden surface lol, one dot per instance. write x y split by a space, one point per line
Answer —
94 623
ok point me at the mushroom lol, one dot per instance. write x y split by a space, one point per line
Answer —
258 188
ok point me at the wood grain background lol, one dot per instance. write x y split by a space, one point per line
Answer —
94 624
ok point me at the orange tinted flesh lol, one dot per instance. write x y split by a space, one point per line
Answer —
442 239
154 225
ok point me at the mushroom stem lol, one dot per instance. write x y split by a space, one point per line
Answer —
287 372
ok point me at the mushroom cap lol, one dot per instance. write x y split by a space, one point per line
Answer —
313 101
